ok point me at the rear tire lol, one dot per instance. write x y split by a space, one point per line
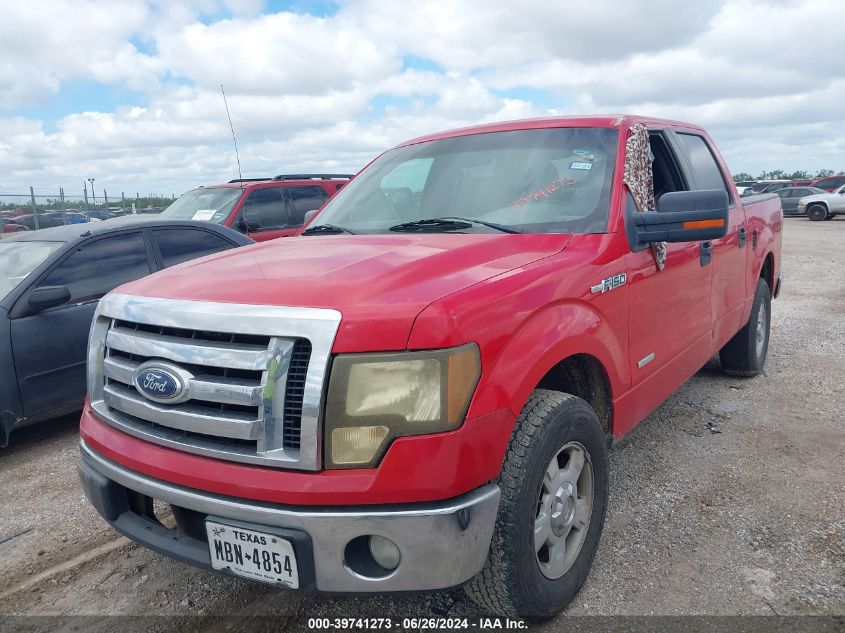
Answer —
554 497
745 354
817 213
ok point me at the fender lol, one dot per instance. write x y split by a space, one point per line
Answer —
546 338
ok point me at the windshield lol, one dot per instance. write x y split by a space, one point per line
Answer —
536 181
18 259
211 205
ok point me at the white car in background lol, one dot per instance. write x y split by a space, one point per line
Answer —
823 206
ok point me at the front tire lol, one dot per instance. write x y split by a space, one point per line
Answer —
551 515
745 354
817 213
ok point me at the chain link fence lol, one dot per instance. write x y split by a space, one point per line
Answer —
38 209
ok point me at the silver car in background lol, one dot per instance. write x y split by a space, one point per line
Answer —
823 206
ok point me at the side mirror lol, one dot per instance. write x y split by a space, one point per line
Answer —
309 214
682 216
48 297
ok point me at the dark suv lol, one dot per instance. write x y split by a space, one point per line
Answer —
262 208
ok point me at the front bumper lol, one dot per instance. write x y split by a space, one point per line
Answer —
442 544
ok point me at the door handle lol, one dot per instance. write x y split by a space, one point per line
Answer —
706 253
742 235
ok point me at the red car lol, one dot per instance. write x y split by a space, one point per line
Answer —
830 183
262 208
8 227
419 391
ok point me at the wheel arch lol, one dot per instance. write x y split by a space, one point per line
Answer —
767 271
583 375
568 347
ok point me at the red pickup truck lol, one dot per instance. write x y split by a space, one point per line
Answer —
262 208
419 391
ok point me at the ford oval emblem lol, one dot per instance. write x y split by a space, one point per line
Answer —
158 383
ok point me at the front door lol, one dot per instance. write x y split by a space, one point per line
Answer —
50 347
267 214
669 309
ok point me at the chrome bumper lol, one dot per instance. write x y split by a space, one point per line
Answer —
442 544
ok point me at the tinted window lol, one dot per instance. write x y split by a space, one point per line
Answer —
101 266
830 183
705 171
180 245
268 207
304 199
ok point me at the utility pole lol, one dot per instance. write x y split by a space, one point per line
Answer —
85 194
64 210
93 195
34 210
106 197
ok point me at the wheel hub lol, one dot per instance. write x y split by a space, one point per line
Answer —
563 508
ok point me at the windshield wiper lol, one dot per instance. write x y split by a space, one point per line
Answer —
492 225
326 229
446 224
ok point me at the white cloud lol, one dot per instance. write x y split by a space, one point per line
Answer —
277 54
310 92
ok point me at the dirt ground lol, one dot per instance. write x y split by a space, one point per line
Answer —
728 500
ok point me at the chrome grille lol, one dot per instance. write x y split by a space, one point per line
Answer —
297 371
251 395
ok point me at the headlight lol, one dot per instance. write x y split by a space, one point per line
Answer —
374 398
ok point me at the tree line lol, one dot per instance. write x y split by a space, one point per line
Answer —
780 174
54 204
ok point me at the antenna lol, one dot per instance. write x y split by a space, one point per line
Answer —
231 127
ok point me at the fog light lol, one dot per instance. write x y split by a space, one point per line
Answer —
384 552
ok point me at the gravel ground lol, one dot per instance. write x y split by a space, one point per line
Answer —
728 500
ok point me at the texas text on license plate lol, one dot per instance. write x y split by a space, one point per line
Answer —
252 554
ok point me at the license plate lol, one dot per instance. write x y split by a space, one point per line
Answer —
252 554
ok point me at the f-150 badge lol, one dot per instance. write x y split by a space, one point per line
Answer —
609 283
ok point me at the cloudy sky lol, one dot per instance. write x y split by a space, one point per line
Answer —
128 91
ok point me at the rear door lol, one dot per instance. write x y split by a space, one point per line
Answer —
50 347
729 253
789 198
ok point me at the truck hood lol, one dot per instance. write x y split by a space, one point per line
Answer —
379 283
821 197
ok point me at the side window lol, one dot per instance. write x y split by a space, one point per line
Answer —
704 167
786 193
268 207
304 199
664 169
180 245
101 266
